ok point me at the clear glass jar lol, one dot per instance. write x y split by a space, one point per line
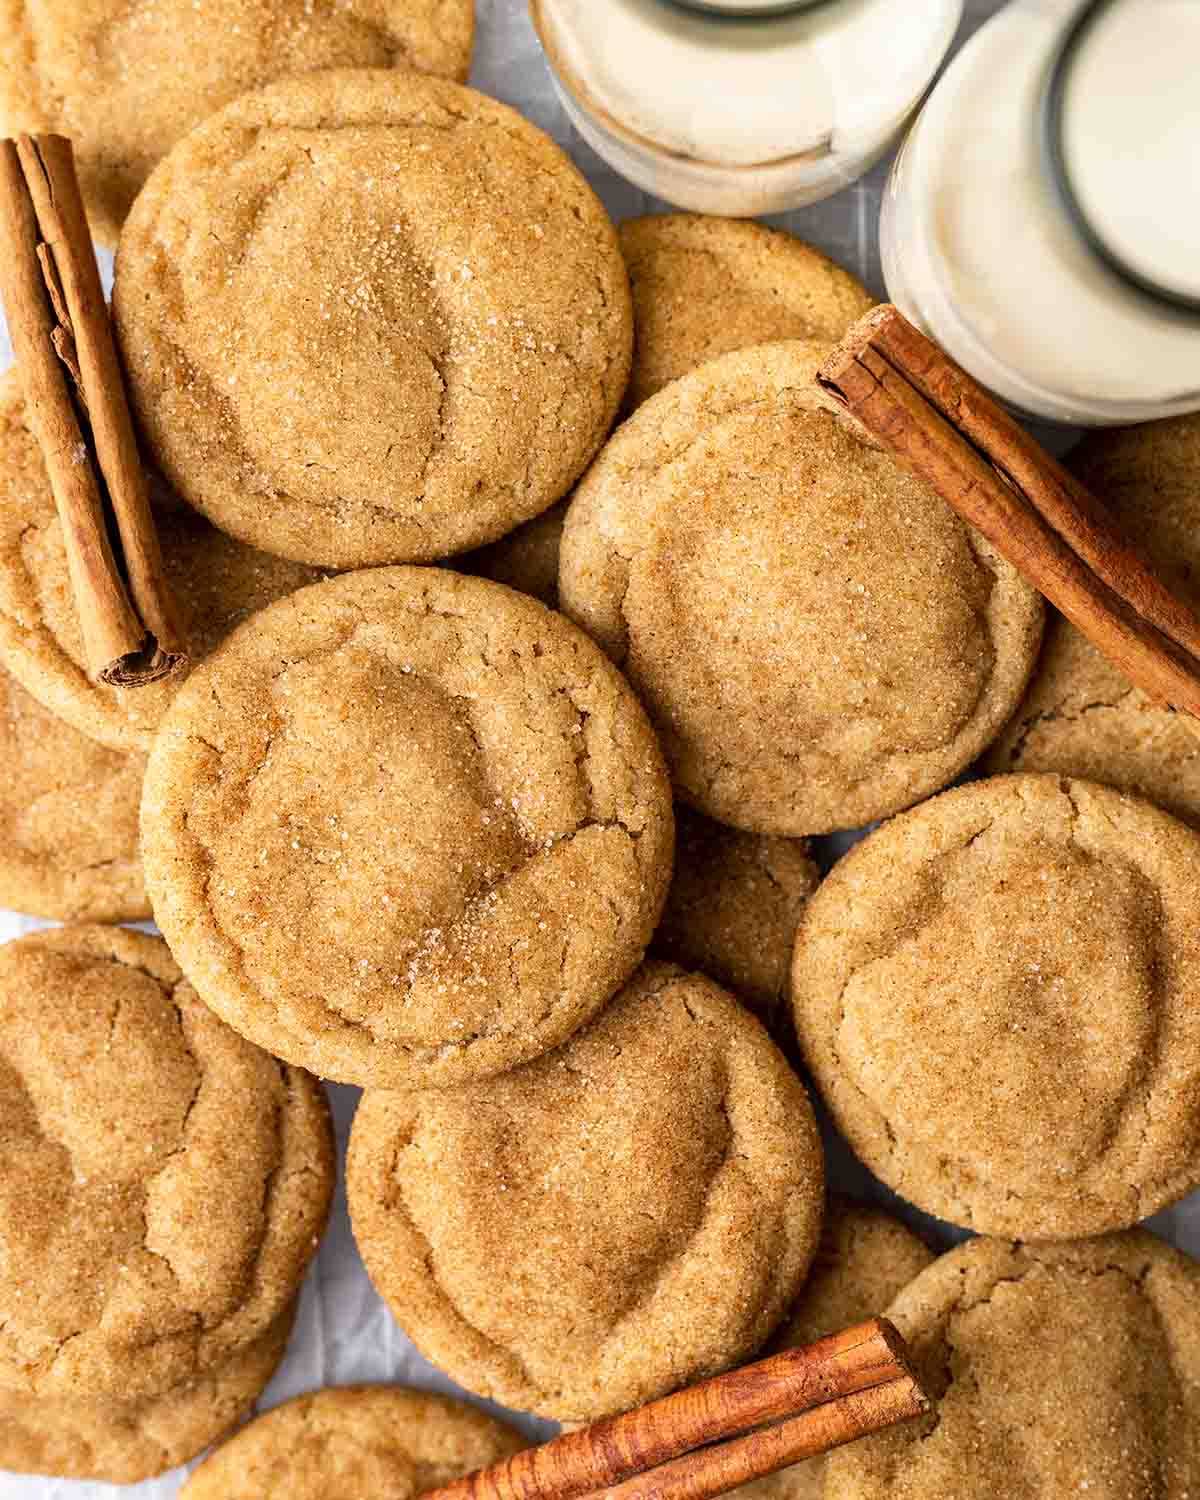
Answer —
742 107
1042 221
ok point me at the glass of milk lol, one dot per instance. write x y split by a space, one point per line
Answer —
1042 221
742 107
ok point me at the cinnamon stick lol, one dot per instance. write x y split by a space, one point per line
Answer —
947 430
76 408
846 1385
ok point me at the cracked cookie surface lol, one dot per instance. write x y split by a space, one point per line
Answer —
1080 716
995 993
68 818
818 639
163 1183
865 1258
216 583
625 1215
381 1441
126 79
407 828
370 317
1056 1370
125 1442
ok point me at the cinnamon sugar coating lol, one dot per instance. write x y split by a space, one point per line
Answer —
1056 1370
68 818
371 317
126 79
817 637
163 1184
382 1441
407 828
625 1215
996 995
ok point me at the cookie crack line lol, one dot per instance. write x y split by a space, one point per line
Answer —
1058 714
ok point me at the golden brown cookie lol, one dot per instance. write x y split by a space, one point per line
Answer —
818 638
864 1259
525 559
124 1442
68 818
371 317
216 581
703 286
1080 716
163 1183
733 908
996 996
127 83
627 1214
381 1441
1057 1369
407 828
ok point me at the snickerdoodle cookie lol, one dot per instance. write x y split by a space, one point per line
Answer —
72 1437
703 286
371 317
733 908
624 1215
163 1183
816 635
1057 1370
68 818
864 1259
381 1441
216 581
125 82
525 559
1081 716
996 996
407 828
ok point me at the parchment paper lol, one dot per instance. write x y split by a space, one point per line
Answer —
344 1333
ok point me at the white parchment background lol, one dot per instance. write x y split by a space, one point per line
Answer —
344 1333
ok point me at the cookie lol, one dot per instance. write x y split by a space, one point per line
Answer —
1081 717
370 317
1057 1370
704 286
126 84
701 287
163 1183
623 1216
450 785
362 1440
216 581
818 638
976 968
125 1442
68 818
864 1259
733 908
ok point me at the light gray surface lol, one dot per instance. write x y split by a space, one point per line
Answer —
344 1333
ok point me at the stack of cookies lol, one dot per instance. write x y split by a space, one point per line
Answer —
490 793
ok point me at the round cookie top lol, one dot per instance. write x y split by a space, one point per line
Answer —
381 1441
371 317
125 83
133 1116
864 1259
1115 1324
733 908
818 638
1080 716
68 818
975 968
446 782
623 1216
704 286
216 582
124 1442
